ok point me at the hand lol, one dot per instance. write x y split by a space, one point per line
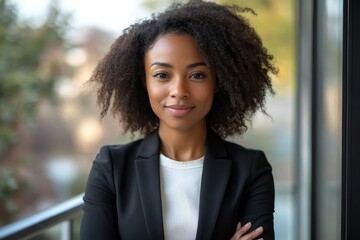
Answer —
240 233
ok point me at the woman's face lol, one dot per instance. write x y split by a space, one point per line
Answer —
179 82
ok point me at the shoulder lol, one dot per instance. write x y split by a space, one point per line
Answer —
117 152
123 155
131 147
243 160
220 148
254 159
237 150
113 161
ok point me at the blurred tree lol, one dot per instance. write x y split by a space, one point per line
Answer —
30 63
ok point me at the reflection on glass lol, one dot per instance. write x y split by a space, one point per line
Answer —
329 112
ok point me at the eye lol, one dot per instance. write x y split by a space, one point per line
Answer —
161 75
197 76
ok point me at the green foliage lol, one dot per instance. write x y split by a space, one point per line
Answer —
8 183
30 63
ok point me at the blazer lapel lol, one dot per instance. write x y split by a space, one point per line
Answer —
148 176
215 176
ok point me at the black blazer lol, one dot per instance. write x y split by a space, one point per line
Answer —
122 197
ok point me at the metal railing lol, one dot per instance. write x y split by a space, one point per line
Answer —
39 222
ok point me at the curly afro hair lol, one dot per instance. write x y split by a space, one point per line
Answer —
234 50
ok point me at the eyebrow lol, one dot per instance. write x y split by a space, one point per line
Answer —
171 66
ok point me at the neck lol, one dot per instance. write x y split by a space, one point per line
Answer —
183 145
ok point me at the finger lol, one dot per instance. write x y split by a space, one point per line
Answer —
242 230
238 226
253 234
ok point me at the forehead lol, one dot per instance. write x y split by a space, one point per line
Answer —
170 46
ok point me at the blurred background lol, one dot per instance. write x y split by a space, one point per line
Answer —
50 130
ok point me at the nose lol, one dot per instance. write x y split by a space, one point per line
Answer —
179 89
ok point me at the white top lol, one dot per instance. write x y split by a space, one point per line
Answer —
180 194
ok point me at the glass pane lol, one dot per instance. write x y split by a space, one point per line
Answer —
329 115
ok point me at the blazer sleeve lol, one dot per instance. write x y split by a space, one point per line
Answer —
100 219
258 206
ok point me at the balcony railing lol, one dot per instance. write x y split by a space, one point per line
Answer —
64 212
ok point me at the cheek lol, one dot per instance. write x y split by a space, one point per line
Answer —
153 102
149 89
155 95
207 95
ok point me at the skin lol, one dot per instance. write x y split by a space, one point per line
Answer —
181 87
241 231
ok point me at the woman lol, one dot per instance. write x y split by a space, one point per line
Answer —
186 79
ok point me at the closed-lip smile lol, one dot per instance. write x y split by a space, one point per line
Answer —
179 110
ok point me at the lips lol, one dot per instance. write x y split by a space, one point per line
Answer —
179 110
